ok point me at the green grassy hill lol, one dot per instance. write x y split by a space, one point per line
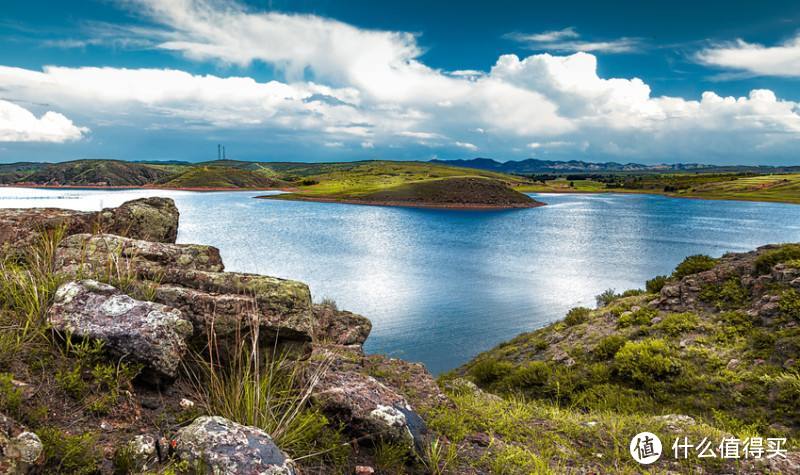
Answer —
205 176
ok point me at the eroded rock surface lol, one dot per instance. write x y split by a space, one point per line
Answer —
188 277
109 254
151 219
146 332
221 446
366 406
154 219
21 451
340 327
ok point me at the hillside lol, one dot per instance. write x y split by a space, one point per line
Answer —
717 342
452 192
84 173
537 166
207 176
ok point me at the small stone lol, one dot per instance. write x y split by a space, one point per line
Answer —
364 470
186 403
733 363
105 426
481 439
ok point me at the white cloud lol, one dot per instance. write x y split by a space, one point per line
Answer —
781 60
466 145
18 124
367 88
568 41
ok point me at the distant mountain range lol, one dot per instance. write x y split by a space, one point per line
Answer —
536 166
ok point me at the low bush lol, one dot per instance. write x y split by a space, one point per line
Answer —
727 296
488 371
763 263
70 454
646 361
693 265
675 324
655 284
577 315
607 297
608 347
642 316
790 304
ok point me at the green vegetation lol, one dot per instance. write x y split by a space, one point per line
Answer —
717 361
780 187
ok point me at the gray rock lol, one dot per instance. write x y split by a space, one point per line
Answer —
154 219
148 333
85 255
221 446
368 408
339 327
151 219
21 451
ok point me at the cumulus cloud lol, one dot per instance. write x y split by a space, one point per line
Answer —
569 40
18 124
781 60
356 88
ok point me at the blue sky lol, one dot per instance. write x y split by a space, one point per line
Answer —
712 82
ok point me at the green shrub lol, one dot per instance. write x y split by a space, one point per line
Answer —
605 298
632 293
643 316
693 265
676 323
655 284
730 295
528 375
70 454
10 395
577 315
646 361
488 371
790 304
608 347
763 263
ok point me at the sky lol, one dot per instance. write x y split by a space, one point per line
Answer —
627 81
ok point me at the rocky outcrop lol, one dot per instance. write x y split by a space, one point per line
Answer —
221 446
151 219
108 254
188 277
745 278
145 332
339 327
368 408
154 219
21 451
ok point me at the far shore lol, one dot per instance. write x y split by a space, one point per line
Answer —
140 187
405 204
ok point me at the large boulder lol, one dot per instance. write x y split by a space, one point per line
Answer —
108 254
188 277
368 408
21 451
151 219
339 327
145 332
154 219
221 446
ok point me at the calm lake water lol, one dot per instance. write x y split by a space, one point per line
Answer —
441 286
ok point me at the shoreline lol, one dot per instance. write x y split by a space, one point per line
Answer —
407 204
394 204
140 187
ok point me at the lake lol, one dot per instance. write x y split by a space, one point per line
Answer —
441 286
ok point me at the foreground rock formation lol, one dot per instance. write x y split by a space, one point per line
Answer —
148 333
153 219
